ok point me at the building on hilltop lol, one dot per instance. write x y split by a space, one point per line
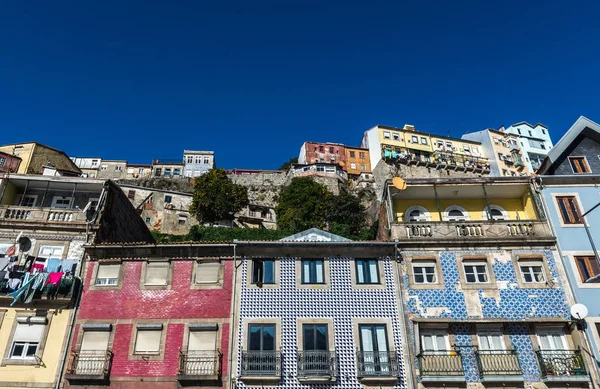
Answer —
34 156
352 160
197 163
139 170
503 151
9 163
484 289
167 168
534 140
89 165
568 180
112 169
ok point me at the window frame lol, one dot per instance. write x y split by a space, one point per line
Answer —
262 325
465 215
426 215
476 262
424 264
26 346
530 263
314 335
62 198
168 279
366 262
207 285
580 160
312 271
386 135
254 281
29 197
587 260
11 339
96 270
434 332
562 200
414 139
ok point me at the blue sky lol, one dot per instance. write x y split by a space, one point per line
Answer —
252 80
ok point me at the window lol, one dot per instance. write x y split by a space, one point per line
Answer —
396 136
374 345
2 161
315 339
202 338
330 169
103 167
94 162
352 154
424 272
456 213
386 135
519 131
331 150
551 339
51 251
182 220
417 214
28 201
532 271
423 140
367 271
158 172
449 145
313 271
176 172
190 159
352 165
157 273
543 131
569 210
491 340
432 340
131 194
147 340
148 219
207 272
119 168
263 271
476 271
61 202
167 172
321 149
579 165
95 340
500 156
530 134
494 212
439 143
415 139
198 159
108 275
26 340
363 166
262 338
504 172
168 199
588 267
361 155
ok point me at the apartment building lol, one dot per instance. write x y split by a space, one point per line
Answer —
358 161
9 163
167 168
196 163
503 151
138 170
112 169
534 140
34 156
89 165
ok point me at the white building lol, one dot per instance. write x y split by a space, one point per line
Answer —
534 140
196 163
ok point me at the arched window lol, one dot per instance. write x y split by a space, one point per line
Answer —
496 212
454 213
417 213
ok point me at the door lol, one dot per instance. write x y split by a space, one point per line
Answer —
434 341
491 340
92 359
315 357
261 358
374 346
202 356
556 359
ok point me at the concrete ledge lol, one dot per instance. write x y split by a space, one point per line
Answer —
443 378
317 379
567 378
273 379
375 380
502 378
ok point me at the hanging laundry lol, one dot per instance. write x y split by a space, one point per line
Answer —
14 280
37 266
11 250
54 278
53 265
17 294
68 266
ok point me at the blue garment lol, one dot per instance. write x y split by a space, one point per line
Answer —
27 281
67 265
387 153
52 265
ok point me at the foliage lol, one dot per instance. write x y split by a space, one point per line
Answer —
302 205
288 164
345 210
216 197
221 234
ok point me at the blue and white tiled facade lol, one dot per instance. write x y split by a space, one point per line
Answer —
509 304
341 302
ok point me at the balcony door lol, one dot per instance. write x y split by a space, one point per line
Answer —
491 340
374 346
202 356
434 341
92 358
552 339
315 357
261 356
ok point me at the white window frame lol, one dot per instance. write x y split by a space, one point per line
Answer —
542 331
435 332
352 165
424 141
496 207
464 217
386 135
53 247
415 139
23 356
476 263
27 196
426 216
108 282
424 264
55 205
529 263
489 333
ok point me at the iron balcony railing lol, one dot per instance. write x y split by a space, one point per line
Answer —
317 363
200 363
440 363
500 362
261 363
90 363
555 363
377 364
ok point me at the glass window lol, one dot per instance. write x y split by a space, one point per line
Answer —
148 219
424 272
182 220
476 272
396 136
456 214
167 172
315 337
28 201
551 339
579 165
569 209
352 165
386 135
262 337
206 160
363 166
367 271
108 275
207 272
51 251
313 271
176 172
157 273
491 340
374 346
423 140
434 340
588 267
147 341
263 271
131 194
352 154
26 340
361 155
415 139
168 199
532 271
61 202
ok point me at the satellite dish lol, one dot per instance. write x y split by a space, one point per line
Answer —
24 243
399 183
579 311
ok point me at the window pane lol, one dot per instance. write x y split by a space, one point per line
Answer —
17 350
321 337
484 342
497 341
207 272
31 350
306 272
470 277
381 338
254 338
440 341
309 338
156 273
428 342
360 272
373 273
319 272
269 269
268 337
419 279
366 338
257 271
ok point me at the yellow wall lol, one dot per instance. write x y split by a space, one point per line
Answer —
405 140
24 153
13 375
10 194
522 207
459 144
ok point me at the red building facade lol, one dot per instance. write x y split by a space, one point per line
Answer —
314 152
155 315
9 163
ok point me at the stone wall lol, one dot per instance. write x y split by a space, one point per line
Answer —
42 155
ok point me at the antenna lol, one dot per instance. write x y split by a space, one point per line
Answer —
579 311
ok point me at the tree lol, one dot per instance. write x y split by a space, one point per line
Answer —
216 197
288 164
302 205
345 214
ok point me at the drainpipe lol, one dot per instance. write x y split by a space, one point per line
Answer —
232 324
404 330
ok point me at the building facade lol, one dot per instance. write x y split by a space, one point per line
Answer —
196 163
568 181
316 310
503 151
112 170
483 286
153 315
358 161
44 224
139 170
331 170
167 169
9 163
89 165
535 142
315 152
34 156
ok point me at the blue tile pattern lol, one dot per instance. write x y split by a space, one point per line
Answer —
514 304
339 302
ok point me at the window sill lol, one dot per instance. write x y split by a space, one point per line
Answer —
216 285
475 286
22 362
426 286
155 287
264 286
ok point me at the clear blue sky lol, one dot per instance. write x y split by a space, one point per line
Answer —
252 80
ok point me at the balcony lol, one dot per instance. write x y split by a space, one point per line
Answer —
197 367
261 366
12 213
377 367
317 366
498 366
441 366
89 367
562 366
50 295
479 231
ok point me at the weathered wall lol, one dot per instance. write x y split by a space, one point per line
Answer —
42 155
112 170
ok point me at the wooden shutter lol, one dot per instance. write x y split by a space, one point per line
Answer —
208 272
148 341
108 271
202 340
95 340
157 273
29 333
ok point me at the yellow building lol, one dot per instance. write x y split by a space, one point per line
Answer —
503 150
35 156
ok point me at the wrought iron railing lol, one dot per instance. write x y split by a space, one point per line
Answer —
317 363
561 363
377 364
200 363
90 363
261 363
501 362
440 363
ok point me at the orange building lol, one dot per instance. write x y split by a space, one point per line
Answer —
357 161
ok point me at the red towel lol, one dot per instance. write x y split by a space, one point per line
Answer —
54 278
39 266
